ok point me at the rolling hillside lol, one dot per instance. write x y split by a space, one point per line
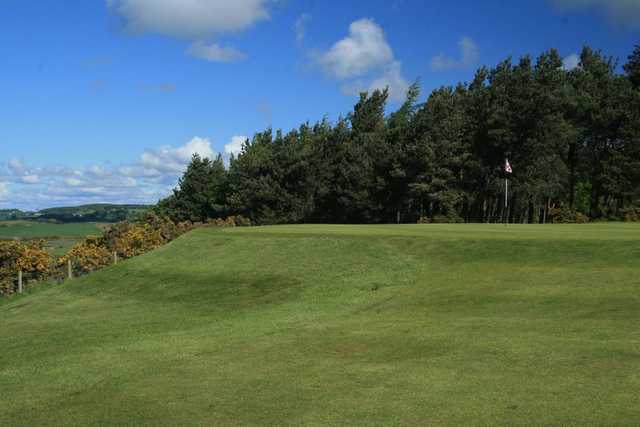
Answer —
86 213
338 325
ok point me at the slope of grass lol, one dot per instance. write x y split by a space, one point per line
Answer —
338 325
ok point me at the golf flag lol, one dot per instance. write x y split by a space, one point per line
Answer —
507 166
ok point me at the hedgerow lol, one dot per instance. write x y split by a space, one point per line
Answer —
567 216
30 257
124 240
120 241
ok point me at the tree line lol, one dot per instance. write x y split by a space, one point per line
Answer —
572 137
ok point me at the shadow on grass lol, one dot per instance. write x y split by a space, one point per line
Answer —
208 291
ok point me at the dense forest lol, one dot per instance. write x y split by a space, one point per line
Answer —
572 137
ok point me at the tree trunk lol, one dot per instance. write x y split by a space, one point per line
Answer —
572 174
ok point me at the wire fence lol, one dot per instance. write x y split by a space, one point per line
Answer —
57 274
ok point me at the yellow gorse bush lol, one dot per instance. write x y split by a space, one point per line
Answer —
87 256
30 257
124 239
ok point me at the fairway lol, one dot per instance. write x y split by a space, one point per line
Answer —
338 325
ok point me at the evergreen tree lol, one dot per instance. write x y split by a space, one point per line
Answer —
572 136
201 192
632 67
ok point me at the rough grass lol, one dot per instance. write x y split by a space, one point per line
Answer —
60 237
338 325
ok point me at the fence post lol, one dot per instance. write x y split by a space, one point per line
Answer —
69 274
20 281
115 257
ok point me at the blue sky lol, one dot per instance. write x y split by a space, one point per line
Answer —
105 101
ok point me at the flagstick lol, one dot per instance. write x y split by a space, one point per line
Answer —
507 171
506 201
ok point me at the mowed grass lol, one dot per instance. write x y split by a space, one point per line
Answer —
60 237
338 325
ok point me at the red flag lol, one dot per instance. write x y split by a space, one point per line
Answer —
507 166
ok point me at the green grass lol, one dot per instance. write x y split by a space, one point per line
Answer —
60 237
338 325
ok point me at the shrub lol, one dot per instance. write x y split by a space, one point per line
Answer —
231 221
139 239
30 257
631 214
242 221
124 238
567 216
87 256
440 219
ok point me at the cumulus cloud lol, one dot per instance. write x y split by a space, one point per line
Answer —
391 78
365 48
571 62
173 160
469 56
149 178
4 190
16 166
73 182
363 54
191 19
235 146
621 13
30 179
215 53
300 26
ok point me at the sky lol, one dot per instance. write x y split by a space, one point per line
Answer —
107 100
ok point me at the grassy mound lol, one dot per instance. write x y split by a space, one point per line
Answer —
338 325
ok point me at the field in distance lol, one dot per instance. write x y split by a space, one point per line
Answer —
338 325
60 237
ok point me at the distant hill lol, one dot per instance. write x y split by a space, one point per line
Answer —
85 213
13 214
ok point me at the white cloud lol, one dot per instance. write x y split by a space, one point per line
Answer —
235 146
571 62
191 19
16 166
4 190
469 57
30 179
621 13
215 53
149 178
73 182
98 172
300 26
392 78
364 49
174 160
